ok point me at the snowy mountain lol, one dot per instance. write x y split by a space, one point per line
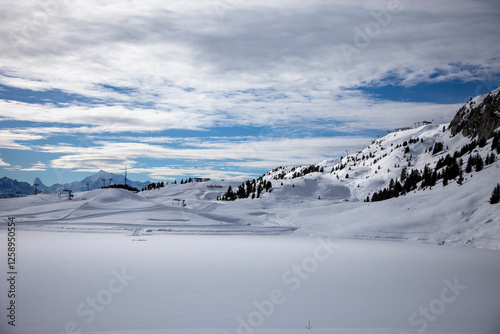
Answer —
38 182
415 160
95 181
12 188
38 185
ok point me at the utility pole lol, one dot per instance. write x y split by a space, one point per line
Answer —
104 183
87 186
36 188
110 182
125 174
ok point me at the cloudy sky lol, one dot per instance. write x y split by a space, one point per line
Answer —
228 89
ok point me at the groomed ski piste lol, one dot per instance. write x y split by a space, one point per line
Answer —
309 257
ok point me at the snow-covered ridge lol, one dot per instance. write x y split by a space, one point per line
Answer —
370 170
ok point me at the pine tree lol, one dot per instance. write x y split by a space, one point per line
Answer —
495 195
398 188
470 162
495 144
229 195
479 163
433 180
490 159
438 147
460 180
426 176
269 186
404 174
453 169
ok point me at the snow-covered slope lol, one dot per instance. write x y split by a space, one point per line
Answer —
370 170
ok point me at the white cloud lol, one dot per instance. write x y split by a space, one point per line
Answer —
248 155
9 139
3 163
31 167
159 49
105 118
352 112
162 173
36 167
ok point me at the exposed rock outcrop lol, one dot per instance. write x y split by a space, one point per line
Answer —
479 117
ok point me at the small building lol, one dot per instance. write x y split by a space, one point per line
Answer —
401 129
426 123
201 179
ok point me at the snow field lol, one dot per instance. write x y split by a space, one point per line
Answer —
108 283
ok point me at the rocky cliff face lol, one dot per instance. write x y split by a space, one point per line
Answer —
479 117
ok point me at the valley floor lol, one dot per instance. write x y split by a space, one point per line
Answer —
115 283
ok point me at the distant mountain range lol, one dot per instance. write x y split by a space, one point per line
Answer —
13 188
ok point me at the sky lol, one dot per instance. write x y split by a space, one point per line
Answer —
228 89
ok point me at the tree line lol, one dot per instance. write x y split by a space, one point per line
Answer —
249 189
447 168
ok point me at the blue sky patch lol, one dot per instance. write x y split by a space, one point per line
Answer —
441 93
